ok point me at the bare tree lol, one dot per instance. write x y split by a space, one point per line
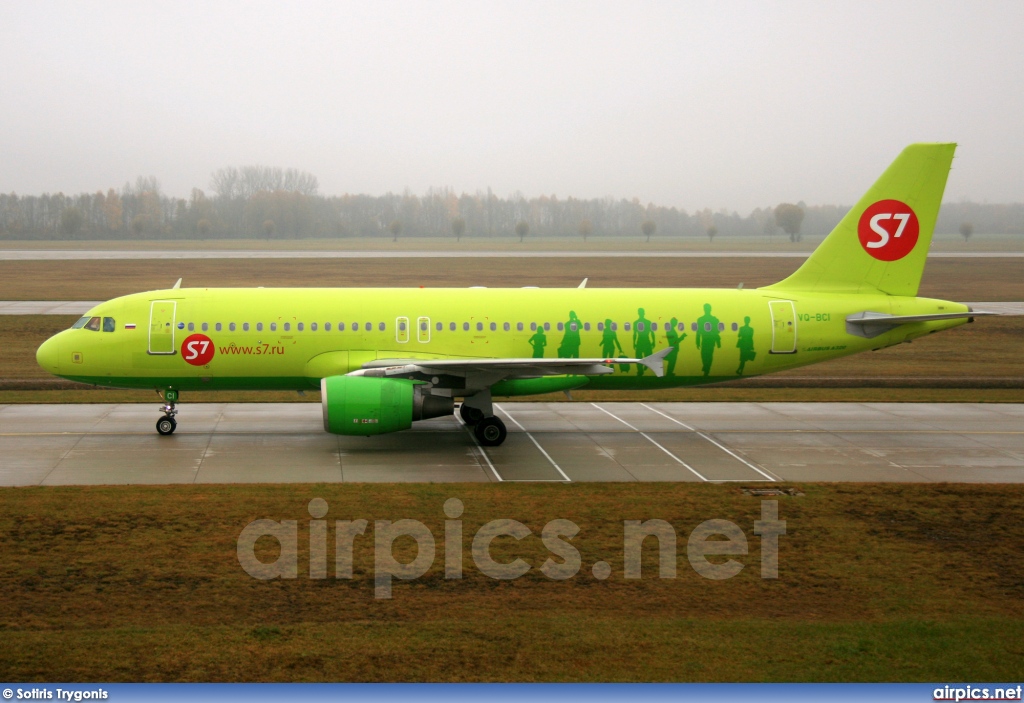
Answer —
586 229
711 231
966 230
396 229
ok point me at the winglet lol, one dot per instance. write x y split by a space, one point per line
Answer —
654 361
176 285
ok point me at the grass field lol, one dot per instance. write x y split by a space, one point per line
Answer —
876 583
941 242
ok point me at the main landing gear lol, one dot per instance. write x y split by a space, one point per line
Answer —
167 424
489 430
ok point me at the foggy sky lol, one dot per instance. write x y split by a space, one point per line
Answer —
720 105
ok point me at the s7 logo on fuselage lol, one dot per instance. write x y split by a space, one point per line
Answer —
197 349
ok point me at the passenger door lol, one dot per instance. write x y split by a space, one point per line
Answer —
783 326
161 326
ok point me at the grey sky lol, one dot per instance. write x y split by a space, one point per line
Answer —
697 105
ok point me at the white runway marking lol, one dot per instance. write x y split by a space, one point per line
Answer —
651 440
720 446
535 442
480 448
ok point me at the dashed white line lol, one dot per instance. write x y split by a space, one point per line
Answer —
725 449
651 440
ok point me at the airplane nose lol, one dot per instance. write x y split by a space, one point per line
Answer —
48 354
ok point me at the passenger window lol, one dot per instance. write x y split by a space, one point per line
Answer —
519 326
381 326
245 326
707 326
572 326
93 325
191 327
600 327
341 326
451 326
232 327
80 323
682 326
401 326
735 327
625 326
355 326
615 327
423 325
299 327
654 326
312 327
561 327
494 326
721 326
327 327
273 327
506 327
465 327
287 327
259 326
693 326
639 327
479 327
533 326
547 326
108 324
206 326
586 326
218 327
439 326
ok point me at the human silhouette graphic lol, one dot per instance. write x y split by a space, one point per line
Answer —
643 340
610 341
707 338
538 342
673 338
570 346
745 343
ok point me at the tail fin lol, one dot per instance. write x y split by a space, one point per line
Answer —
882 243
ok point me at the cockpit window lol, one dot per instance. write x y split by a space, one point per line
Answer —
93 324
108 324
81 323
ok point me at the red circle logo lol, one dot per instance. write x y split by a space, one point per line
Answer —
888 230
197 349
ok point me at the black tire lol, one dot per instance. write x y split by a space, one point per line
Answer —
471 416
166 425
490 432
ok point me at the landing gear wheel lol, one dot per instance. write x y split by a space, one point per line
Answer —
490 431
166 425
470 415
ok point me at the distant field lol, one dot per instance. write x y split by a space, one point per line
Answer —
977 243
877 582
952 279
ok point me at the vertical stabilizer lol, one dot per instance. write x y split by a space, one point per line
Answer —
882 243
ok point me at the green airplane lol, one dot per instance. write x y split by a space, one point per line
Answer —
385 357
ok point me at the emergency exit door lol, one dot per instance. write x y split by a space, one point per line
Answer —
783 326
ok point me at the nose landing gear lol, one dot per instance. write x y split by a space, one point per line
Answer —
167 424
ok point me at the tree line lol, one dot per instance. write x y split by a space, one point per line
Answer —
273 203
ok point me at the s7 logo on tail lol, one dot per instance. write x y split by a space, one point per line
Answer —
888 230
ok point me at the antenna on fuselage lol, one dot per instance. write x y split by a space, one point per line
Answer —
176 285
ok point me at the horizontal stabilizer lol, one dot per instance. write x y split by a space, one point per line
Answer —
872 324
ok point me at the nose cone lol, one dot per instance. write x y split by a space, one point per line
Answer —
48 355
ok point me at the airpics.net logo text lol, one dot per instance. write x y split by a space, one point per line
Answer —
711 538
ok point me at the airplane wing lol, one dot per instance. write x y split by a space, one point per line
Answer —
503 368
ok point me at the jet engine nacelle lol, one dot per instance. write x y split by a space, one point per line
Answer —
360 405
